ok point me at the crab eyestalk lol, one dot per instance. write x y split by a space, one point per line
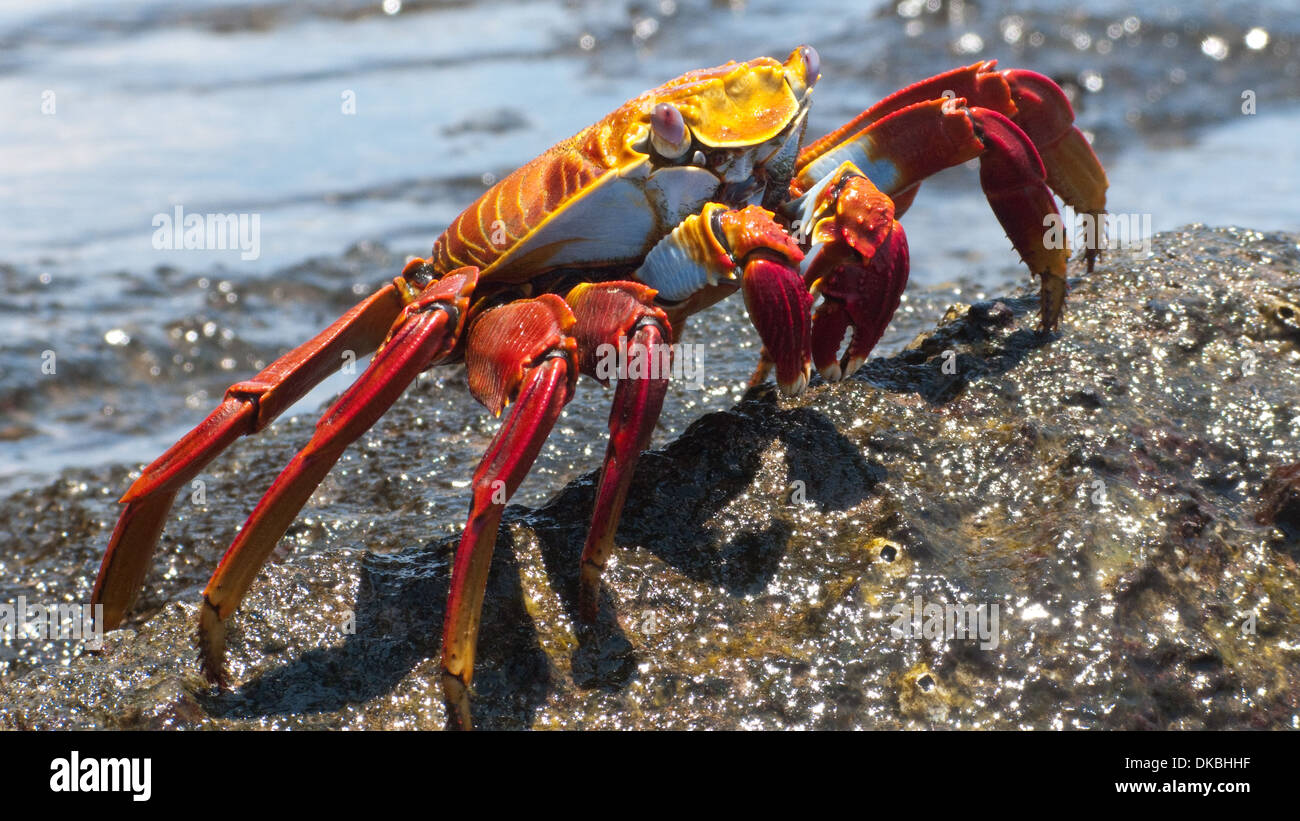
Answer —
668 132
802 69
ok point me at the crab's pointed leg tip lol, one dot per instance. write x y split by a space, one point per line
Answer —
797 387
1052 300
851 367
456 700
212 646
832 372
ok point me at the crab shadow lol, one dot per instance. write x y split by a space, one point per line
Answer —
676 497
399 616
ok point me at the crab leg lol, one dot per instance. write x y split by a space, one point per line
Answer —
612 317
523 352
248 407
975 83
425 332
908 145
1073 170
1032 101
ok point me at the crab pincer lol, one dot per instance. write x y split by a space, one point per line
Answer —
775 295
858 267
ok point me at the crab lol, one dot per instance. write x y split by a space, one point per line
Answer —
607 242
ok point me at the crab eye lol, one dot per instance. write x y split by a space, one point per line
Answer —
668 131
813 63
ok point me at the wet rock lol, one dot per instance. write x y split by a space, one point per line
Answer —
1281 502
1088 500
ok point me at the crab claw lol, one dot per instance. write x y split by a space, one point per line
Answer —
857 293
859 268
708 249
778 304
775 294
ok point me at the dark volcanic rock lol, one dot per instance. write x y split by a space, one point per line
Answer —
1105 492
1281 505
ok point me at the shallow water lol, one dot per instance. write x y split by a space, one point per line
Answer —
239 108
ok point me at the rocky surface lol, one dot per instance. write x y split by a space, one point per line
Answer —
1123 495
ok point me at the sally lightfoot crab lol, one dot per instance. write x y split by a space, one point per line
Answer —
614 237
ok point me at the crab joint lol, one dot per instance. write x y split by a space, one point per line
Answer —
711 247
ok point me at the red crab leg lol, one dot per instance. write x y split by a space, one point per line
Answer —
616 316
520 351
910 144
426 331
975 83
1031 100
248 407
1073 170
